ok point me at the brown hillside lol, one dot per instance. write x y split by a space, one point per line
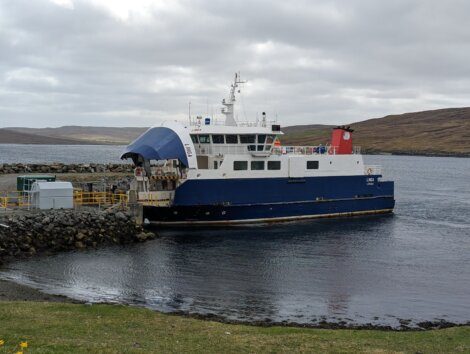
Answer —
8 136
438 132
92 135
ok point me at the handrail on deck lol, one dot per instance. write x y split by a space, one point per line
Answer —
310 150
208 149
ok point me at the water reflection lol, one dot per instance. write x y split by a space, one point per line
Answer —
367 269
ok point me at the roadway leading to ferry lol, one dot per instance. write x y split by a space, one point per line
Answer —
413 265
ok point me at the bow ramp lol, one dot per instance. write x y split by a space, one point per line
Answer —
167 142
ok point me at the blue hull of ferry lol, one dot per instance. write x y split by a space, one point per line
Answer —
226 201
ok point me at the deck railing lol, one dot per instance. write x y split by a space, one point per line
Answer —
310 150
228 149
210 149
304 150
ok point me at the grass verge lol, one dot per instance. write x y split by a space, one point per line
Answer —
76 328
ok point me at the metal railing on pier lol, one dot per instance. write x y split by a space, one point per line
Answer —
98 198
22 200
14 200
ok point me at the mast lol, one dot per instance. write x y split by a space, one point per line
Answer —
228 109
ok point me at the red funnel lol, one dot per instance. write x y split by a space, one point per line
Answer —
341 140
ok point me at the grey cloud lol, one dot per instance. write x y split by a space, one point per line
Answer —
308 62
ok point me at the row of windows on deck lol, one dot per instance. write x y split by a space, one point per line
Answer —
272 165
232 139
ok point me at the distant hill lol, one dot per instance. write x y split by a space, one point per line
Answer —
9 136
90 135
437 132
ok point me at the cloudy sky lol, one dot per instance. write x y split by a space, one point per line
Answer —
135 63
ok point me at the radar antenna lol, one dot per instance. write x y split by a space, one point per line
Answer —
228 109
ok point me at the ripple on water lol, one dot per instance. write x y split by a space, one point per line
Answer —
413 266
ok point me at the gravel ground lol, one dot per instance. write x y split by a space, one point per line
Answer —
8 182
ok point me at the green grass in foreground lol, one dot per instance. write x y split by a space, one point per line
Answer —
72 328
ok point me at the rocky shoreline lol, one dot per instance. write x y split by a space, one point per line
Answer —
26 234
11 291
323 323
65 168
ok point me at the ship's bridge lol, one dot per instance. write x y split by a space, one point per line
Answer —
222 140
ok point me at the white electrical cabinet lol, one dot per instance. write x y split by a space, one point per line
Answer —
52 195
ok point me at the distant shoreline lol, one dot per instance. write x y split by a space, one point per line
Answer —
376 153
81 144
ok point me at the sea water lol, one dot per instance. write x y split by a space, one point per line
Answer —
414 264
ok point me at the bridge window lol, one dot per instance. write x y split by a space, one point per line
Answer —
257 165
231 139
240 165
251 147
274 165
261 139
269 139
204 139
194 139
260 148
312 165
218 139
247 139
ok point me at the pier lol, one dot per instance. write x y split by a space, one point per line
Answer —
101 214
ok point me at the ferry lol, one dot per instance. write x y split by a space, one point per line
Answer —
229 172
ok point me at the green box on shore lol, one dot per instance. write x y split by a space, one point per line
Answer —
24 183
